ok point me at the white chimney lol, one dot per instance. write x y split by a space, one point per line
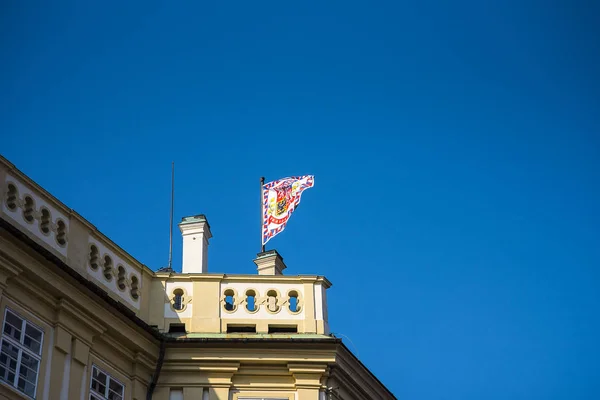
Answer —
196 232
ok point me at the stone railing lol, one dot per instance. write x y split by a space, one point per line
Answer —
63 232
218 303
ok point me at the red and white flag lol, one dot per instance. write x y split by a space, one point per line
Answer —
280 199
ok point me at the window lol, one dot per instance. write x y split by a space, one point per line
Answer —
177 328
233 328
283 329
229 300
178 299
104 386
294 301
20 353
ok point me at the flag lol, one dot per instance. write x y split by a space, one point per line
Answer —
280 199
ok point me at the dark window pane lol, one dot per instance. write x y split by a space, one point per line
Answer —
116 390
11 378
29 389
9 355
28 370
12 326
98 386
5 373
116 387
26 387
33 339
99 375
113 396
34 333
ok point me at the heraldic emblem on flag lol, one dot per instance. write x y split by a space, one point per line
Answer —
280 199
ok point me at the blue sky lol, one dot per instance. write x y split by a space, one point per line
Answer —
455 147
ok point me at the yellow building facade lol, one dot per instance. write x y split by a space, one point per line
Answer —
83 319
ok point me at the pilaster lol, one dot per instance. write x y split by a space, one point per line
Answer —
143 368
219 380
158 298
78 250
206 304
74 334
218 393
8 270
310 325
308 379
139 390
192 393
79 361
308 394
161 393
62 348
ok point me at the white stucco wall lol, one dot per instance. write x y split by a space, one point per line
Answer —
98 274
34 226
188 288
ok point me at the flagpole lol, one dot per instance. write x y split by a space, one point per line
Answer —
262 215
171 219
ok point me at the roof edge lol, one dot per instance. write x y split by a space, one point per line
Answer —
121 308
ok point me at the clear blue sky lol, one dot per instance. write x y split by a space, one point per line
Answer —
456 149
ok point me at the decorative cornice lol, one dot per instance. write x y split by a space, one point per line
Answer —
8 268
307 375
64 308
307 368
206 366
237 278
141 359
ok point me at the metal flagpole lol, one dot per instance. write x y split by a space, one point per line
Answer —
171 220
262 215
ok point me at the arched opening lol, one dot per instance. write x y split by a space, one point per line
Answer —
229 300
94 257
108 266
61 233
121 277
251 300
293 301
28 209
45 221
272 303
11 197
178 299
135 291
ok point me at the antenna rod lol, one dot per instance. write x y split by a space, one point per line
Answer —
262 215
171 220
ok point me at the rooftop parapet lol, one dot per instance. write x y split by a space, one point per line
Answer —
220 303
75 241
